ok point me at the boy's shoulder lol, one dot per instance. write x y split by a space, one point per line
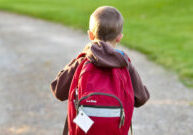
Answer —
120 51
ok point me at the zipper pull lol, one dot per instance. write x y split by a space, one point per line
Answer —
122 119
76 99
76 91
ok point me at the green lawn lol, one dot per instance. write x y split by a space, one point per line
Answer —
162 29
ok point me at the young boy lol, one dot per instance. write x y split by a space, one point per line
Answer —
105 31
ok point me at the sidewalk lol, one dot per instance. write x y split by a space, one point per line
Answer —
32 51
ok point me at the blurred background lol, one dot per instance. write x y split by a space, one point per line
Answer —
39 37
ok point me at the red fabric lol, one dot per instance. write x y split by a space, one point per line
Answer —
115 81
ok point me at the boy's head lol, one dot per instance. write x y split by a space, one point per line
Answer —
106 24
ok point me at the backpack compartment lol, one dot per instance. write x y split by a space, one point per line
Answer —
105 110
105 96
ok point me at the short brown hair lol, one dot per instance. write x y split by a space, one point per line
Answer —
106 23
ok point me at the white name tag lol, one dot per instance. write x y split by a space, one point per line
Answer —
83 121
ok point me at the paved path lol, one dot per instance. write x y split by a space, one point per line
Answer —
33 51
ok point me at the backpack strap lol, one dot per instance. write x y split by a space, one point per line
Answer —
65 131
81 55
129 60
75 78
78 70
131 128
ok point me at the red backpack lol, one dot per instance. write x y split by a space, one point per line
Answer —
105 95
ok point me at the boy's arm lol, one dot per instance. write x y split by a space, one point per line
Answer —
141 93
61 85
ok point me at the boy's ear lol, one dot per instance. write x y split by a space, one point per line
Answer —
119 37
91 35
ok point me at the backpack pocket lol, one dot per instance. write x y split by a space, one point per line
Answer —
98 107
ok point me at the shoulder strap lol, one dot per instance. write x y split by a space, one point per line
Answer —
75 78
81 55
78 70
65 131
131 128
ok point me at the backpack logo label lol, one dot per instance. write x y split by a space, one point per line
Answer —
91 101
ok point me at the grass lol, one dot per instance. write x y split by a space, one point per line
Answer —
162 29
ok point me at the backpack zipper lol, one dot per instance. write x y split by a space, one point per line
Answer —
100 106
122 113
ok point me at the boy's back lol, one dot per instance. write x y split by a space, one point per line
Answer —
100 53
103 91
